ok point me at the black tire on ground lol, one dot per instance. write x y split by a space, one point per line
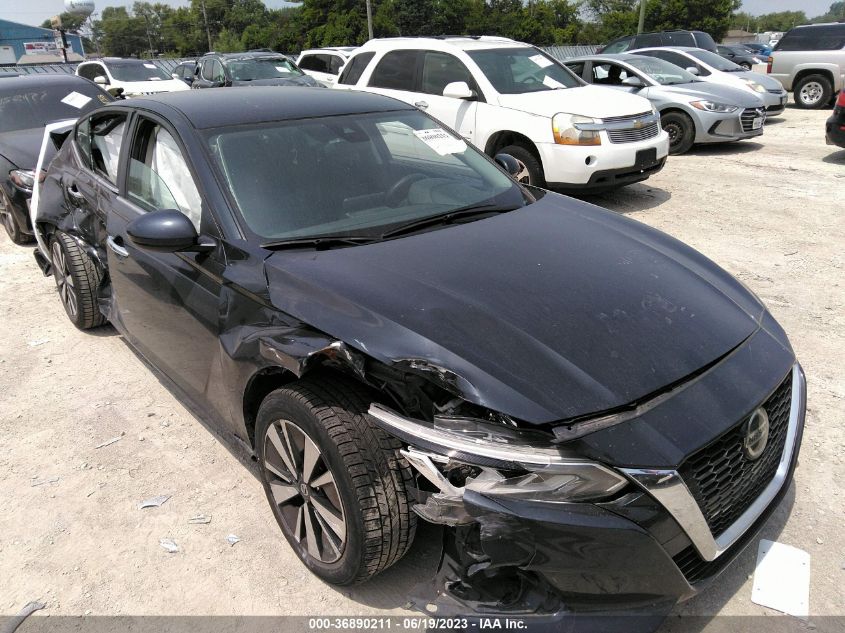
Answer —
746 65
681 131
77 280
359 479
10 223
812 92
533 169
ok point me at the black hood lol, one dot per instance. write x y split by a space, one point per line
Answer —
303 80
553 311
22 146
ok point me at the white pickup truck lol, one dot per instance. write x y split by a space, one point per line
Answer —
508 97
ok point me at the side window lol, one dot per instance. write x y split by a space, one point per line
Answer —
576 67
608 74
649 39
217 73
355 68
90 71
208 69
83 141
316 63
619 47
159 177
105 138
677 38
335 64
395 71
441 69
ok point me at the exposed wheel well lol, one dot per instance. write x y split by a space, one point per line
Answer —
810 71
260 385
507 137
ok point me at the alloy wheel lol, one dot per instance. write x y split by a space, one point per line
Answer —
811 92
522 176
304 490
64 280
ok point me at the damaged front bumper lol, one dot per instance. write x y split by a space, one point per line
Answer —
526 539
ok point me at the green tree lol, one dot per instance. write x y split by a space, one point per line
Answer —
71 22
711 16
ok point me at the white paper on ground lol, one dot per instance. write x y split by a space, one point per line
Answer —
76 100
782 579
441 141
541 60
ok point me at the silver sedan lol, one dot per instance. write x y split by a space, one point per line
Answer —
691 110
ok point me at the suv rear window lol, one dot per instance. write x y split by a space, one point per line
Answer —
355 68
829 37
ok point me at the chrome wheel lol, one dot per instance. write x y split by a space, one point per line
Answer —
811 93
64 280
523 175
304 491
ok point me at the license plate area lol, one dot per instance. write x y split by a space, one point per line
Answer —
646 158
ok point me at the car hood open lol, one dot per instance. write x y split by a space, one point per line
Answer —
592 101
553 311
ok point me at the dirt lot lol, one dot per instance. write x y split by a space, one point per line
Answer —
71 533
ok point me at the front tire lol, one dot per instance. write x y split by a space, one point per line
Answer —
530 167
338 486
681 131
812 92
77 280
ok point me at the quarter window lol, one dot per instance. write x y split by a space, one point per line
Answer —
395 71
159 176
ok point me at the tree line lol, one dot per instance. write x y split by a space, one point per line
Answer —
157 29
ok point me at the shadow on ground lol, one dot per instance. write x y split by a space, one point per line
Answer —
724 149
836 158
636 197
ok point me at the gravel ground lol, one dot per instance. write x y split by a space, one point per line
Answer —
71 533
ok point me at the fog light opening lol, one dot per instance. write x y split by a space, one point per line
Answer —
590 160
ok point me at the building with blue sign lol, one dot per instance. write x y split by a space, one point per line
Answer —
18 42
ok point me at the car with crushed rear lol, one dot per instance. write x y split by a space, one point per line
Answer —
600 417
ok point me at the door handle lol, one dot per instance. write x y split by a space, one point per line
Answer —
116 248
74 193
422 105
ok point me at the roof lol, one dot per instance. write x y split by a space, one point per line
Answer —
444 42
19 82
245 55
611 57
259 104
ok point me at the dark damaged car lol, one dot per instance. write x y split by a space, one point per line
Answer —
254 68
601 417
27 104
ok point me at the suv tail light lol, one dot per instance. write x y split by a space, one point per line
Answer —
840 100
769 65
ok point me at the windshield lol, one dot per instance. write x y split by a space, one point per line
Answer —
352 175
145 71
34 108
250 69
715 61
521 70
661 71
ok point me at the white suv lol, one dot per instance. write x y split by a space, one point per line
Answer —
324 64
509 97
137 77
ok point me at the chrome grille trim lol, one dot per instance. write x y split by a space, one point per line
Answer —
670 490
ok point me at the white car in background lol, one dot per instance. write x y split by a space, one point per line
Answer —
324 64
715 68
511 98
135 76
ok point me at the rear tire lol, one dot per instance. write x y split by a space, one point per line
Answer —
812 92
10 223
531 168
746 65
77 280
681 131
345 510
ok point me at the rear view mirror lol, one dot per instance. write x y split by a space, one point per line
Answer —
101 80
459 90
508 163
692 70
165 230
633 81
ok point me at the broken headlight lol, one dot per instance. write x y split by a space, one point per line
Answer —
552 474
24 179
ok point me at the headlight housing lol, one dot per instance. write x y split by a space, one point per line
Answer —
544 471
713 106
24 179
754 85
565 130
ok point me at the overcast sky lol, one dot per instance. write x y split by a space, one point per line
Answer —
36 11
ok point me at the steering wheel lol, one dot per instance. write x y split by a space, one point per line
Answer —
399 191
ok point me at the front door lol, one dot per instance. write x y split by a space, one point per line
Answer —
165 303
438 71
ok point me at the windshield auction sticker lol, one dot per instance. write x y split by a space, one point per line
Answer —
76 100
552 83
541 60
441 141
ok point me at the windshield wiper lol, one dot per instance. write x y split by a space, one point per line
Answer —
320 242
448 218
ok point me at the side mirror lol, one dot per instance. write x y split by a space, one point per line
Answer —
508 163
165 230
101 80
633 81
459 90
692 70
175 76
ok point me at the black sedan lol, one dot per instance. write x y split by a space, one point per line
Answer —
740 55
27 104
835 125
394 329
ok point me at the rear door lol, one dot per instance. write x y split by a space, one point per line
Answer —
165 303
